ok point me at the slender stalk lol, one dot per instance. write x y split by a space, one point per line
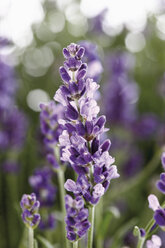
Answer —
60 174
75 244
31 238
140 243
91 229
98 220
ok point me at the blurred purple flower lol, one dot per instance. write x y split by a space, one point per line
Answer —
49 116
155 242
13 128
91 57
120 63
119 102
133 164
121 92
8 86
146 126
10 167
48 223
41 183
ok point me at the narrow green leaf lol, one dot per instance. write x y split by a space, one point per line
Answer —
45 242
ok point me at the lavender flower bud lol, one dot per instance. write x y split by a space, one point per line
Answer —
30 207
159 212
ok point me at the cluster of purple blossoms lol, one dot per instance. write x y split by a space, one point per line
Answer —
77 217
30 207
145 126
80 139
41 183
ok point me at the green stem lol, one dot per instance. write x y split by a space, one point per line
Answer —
75 244
31 238
140 242
91 230
60 174
99 214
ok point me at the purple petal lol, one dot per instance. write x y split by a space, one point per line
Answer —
159 217
64 74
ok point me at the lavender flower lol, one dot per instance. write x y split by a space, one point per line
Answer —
159 212
155 242
30 207
13 129
8 86
48 222
133 163
10 166
43 187
80 139
120 92
145 126
77 218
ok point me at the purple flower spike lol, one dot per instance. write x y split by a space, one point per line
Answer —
80 142
30 207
